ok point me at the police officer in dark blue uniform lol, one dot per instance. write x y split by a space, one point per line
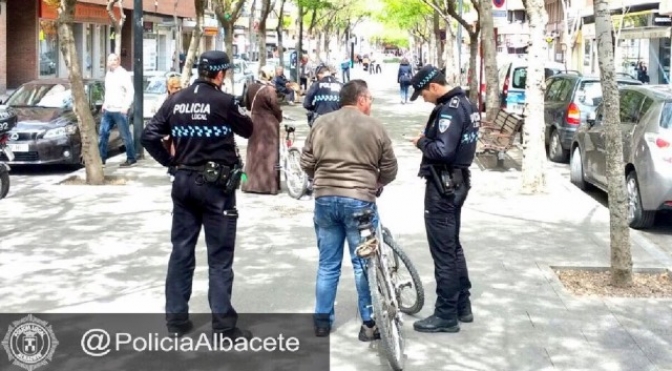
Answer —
323 95
202 121
448 148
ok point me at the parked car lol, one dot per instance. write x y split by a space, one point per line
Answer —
155 93
512 80
47 132
568 100
646 127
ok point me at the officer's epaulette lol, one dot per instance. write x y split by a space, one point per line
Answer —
454 103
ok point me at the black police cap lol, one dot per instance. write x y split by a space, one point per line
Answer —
423 78
214 61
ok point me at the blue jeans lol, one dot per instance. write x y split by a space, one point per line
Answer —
403 91
106 124
334 223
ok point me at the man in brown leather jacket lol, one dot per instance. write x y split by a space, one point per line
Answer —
349 155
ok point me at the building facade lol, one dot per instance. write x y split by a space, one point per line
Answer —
29 46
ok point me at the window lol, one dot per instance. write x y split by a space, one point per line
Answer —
519 78
48 49
43 95
630 101
648 102
666 116
553 91
566 93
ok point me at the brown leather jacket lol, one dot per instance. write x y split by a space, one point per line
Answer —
349 154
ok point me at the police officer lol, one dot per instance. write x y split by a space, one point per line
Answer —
448 148
201 120
323 95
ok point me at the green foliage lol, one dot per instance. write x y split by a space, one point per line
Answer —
404 14
393 36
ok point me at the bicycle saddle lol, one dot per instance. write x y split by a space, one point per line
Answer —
289 128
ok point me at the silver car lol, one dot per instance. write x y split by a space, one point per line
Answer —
646 124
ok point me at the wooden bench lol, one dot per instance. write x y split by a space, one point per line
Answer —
498 136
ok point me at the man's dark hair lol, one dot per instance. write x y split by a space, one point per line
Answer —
439 79
205 74
351 91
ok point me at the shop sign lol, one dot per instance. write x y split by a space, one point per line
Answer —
84 12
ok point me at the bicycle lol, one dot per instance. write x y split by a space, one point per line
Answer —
290 165
385 288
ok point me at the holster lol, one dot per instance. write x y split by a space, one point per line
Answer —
222 176
447 180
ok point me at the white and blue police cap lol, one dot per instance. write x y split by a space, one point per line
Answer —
214 61
423 78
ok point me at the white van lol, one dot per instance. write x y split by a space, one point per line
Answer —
512 79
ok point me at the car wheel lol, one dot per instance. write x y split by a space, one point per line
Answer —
576 173
638 218
555 151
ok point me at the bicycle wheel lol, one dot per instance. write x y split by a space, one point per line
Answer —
297 181
385 316
402 284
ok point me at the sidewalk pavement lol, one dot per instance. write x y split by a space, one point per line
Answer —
72 248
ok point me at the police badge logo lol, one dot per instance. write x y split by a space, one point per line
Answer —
30 343
443 125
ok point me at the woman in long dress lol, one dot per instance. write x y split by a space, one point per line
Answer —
263 146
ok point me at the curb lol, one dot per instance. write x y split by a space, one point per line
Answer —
636 237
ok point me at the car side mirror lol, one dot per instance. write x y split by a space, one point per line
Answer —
592 117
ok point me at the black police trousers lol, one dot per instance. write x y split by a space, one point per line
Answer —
196 204
442 224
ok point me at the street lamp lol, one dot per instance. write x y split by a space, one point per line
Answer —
563 47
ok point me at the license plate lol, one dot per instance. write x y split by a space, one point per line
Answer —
18 147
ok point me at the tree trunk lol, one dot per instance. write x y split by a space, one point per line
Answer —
279 29
87 128
117 24
195 41
228 44
178 39
534 151
438 47
265 10
475 75
621 258
251 34
491 74
449 60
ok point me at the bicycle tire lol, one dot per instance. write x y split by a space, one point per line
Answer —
300 190
4 183
383 323
399 254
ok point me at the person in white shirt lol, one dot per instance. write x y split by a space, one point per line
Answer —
118 100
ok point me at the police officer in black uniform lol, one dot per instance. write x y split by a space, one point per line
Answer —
448 148
202 121
323 95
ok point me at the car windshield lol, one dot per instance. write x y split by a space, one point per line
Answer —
590 92
520 76
156 86
42 95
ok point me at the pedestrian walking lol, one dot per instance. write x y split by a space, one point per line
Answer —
345 69
116 107
404 76
263 148
448 148
202 121
350 156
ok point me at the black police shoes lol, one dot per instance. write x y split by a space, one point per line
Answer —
321 332
233 334
464 313
181 330
436 324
